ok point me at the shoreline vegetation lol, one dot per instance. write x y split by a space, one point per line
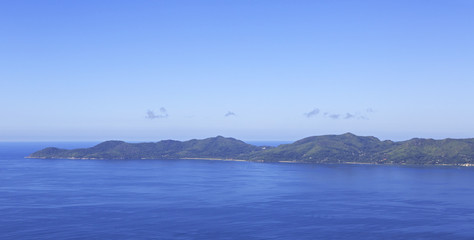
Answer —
328 149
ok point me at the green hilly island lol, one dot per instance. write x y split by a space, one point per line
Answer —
345 148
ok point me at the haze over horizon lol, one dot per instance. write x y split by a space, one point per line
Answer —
266 70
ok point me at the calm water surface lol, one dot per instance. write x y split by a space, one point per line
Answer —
197 199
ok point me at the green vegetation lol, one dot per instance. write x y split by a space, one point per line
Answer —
217 147
345 148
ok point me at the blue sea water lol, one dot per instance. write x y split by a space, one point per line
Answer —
199 199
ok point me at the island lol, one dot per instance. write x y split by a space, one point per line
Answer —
330 149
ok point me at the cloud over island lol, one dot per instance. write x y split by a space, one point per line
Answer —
312 113
230 114
152 115
336 116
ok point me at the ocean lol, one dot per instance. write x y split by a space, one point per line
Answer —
204 199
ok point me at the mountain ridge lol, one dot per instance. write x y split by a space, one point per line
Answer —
344 148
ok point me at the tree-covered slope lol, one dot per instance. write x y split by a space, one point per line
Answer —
217 147
429 151
326 149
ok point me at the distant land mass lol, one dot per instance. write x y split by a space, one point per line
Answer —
331 149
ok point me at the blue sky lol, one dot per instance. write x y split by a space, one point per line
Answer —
254 70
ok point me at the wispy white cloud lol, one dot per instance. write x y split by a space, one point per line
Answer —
229 114
152 115
344 116
312 113
349 116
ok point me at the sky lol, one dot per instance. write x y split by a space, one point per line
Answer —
253 70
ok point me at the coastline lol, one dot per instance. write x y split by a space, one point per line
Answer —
262 161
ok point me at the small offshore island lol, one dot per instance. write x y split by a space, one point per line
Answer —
330 149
